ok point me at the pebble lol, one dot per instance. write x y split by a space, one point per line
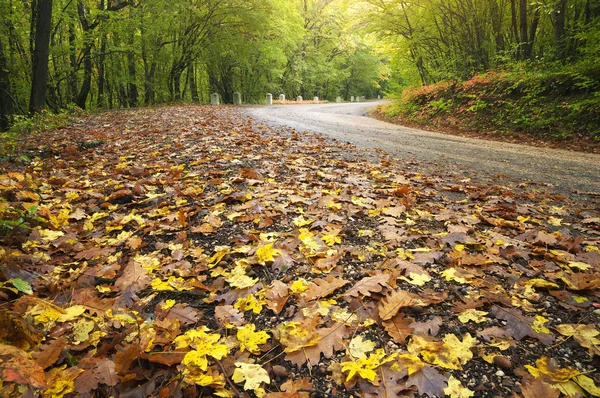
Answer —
280 371
597 312
502 362
500 373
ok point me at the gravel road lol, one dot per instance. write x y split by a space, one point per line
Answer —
566 171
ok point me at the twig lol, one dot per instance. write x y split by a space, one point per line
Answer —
318 392
235 390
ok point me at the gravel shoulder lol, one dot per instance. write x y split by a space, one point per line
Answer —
567 171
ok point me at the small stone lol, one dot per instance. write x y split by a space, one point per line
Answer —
417 309
500 373
597 312
502 362
280 371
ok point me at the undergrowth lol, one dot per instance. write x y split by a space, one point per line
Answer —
21 126
555 104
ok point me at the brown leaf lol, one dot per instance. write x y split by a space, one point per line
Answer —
50 352
125 357
581 281
134 276
227 314
520 325
277 296
431 326
539 389
104 371
390 385
168 358
399 328
15 366
368 284
185 314
291 389
332 339
392 303
15 330
320 288
428 381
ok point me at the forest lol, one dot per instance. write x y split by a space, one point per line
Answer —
60 54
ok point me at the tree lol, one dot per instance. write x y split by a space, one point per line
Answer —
41 51
6 101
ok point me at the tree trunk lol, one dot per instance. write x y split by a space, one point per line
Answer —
193 85
41 52
132 90
532 33
524 40
87 77
101 72
6 101
73 64
559 28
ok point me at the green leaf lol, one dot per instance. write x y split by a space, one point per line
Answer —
21 285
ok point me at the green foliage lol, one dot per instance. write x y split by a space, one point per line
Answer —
12 218
105 56
545 103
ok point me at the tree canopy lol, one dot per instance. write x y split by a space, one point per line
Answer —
126 53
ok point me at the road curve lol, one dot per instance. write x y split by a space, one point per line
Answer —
567 170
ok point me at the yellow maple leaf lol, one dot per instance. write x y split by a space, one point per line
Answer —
417 279
299 285
456 390
173 283
267 253
238 278
472 314
587 384
210 378
331 239
168 304
358 347
450 275
48 235
149 262
204 344
538 325
585 335
541 283
294 336
309 240
461 348
300 221
61 381
251 303
252 374
365 367
411 363
221 251
249 339
547 369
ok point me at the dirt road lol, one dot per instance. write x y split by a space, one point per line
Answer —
567 171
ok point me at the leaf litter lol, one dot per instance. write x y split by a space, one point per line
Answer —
194 252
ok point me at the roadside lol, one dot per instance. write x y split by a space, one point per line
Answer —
561 170
580 144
